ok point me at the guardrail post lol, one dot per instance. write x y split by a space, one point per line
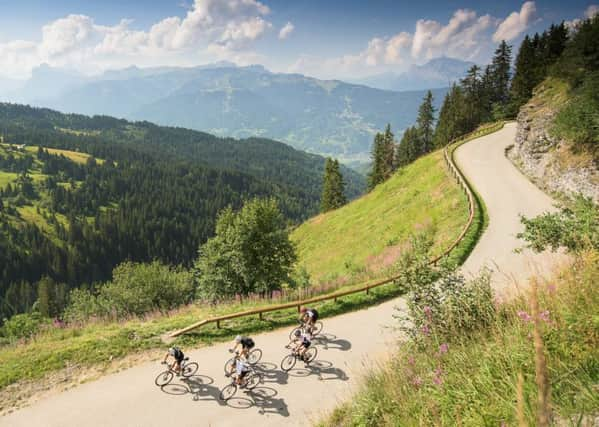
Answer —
260 316
367 291
218 324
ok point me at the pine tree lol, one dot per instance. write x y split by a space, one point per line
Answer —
524 76
409 147
333 187
500 78
376 175
388 155
425 122
452 120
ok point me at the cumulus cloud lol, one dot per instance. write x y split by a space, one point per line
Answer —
591 11
516 23
224 26
286 30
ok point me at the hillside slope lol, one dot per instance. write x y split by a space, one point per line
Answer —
366 237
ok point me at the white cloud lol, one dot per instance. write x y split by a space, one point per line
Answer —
228 27
516 23
591 11
286 30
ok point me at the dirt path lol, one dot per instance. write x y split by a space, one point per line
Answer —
351 343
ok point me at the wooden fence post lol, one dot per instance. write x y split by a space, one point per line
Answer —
218 324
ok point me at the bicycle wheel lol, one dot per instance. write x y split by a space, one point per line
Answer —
230 365
253 381
292 333
317 328
228 392
310 354
288 362
189 369
164 378
254 356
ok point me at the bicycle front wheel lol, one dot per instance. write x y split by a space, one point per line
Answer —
292 333
230 365
164 378
254 356
189 369
288 362
228 392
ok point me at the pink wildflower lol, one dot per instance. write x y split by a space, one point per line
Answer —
417 381
428 312
443 348
544 315
524 316
411 360
438 378
425 330
551 288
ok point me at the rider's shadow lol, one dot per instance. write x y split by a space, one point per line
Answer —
336 344
266 401
323 369
199 386
271 374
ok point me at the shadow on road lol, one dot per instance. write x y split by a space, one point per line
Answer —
321 368
271 373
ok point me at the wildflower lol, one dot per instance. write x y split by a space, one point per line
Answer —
411 360
428 312
544 315
438 378
524 316
551 288
417 381
443 348
425 330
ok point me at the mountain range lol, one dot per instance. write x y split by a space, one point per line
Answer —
436 73
327 117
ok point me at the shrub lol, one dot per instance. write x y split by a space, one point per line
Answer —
23 325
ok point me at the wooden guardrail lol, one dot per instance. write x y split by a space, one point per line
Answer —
448 155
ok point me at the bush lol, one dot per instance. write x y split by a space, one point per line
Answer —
23 325
575 227
440 301
135 290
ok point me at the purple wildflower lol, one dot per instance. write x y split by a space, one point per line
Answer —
443 348
417 381
425 330
411 360
524 316
438 378
551 288
544 315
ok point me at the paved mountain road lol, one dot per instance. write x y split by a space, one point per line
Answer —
353 341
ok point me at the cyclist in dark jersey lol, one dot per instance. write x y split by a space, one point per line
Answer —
177 355
309 316
302 341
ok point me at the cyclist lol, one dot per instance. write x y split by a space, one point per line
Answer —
302 341
241 370
246 344
309 316
177 355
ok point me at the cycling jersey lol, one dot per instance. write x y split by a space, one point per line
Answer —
247 342
176 353
241 367
312 314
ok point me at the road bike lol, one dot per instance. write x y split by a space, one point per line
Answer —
249 381
254 356
291 359
187 370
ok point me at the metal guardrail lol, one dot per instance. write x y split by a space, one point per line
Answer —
448 155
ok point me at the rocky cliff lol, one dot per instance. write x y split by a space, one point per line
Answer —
549 161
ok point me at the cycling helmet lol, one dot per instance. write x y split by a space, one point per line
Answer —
297 333
303 310
238 339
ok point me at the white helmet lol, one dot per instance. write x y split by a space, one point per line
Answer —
238 339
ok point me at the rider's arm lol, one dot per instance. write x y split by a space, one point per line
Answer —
166 356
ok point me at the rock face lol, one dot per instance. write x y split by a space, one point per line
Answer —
546 160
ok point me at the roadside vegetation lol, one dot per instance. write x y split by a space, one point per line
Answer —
475 360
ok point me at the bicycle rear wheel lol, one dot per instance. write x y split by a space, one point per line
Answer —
228 392
288 362
254 356
310 354
189 369
253 381
317 328
164 378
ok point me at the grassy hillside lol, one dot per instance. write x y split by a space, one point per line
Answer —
366 236
472 380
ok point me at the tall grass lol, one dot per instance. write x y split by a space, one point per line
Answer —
491 376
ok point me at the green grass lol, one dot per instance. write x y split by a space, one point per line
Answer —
367 235
479 372
7 178
75 156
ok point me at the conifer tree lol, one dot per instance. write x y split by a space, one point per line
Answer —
376 175
524 76
388 155
333 187
425 122
500 78
409 147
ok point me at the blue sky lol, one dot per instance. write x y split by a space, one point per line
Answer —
330 38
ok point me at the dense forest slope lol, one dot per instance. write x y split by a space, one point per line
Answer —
126 191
